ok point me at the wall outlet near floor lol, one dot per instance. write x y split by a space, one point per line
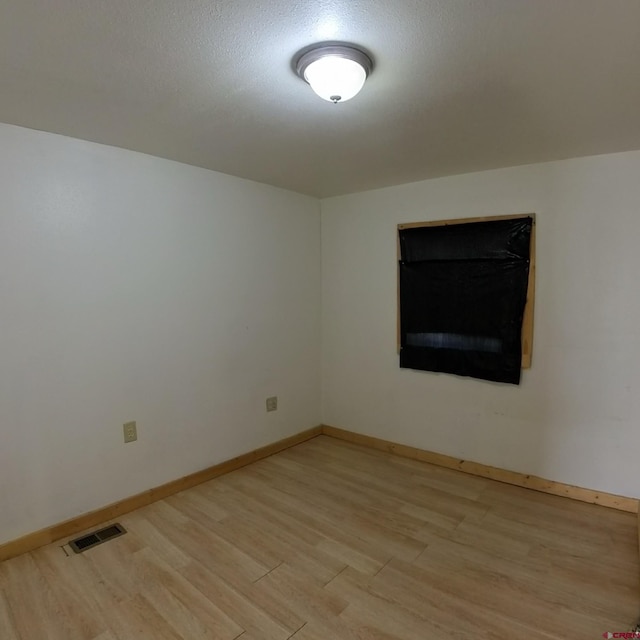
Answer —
272 403
130 431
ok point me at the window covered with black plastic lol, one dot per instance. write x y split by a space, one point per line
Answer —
463 290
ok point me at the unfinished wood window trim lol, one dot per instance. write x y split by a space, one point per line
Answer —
527 319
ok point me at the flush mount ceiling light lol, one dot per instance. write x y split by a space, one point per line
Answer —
336 72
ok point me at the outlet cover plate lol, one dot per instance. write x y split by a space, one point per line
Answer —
272 403
130 431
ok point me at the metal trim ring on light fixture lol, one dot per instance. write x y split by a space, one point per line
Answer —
310 55
342 50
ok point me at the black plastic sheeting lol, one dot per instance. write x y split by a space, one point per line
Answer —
463 289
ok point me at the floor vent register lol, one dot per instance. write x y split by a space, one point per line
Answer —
91 540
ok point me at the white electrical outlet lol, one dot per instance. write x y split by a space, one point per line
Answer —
130 431
272 403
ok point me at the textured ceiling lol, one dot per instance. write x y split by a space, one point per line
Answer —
458 85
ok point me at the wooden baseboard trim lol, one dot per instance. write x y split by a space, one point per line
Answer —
494 473
75 525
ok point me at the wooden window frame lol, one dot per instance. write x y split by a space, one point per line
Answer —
527 319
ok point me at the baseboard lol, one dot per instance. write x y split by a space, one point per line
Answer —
75 525
477 469
85 521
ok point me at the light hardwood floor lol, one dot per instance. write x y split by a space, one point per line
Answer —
330 541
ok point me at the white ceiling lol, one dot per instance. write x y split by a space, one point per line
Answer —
458 85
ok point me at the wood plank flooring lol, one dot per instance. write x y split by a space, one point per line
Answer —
330 541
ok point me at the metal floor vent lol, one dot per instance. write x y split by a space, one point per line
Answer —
97 537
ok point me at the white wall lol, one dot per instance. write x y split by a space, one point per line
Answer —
133 288
575 418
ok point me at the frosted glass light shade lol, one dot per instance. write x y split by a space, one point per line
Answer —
335 79
336 72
